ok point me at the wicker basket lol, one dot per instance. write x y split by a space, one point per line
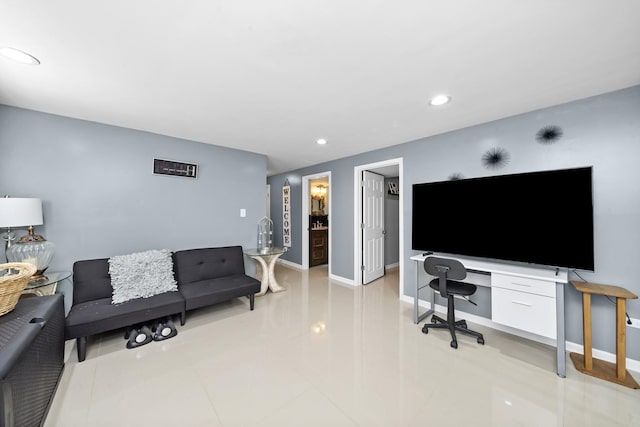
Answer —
12 285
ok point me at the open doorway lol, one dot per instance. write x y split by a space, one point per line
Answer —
391 171
316 220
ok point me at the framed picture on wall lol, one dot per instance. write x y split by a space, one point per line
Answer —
174 168
392 189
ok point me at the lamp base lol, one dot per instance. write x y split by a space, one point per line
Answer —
8 237
31 237
39 276
38 253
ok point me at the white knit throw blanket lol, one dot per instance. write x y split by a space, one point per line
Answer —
141 275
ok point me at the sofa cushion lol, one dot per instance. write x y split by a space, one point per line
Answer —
93 317
211 291
195 265
91 280
141 275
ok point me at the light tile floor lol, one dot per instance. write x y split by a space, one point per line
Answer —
326 354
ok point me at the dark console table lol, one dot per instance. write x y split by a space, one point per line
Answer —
31 359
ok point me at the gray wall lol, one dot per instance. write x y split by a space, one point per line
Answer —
100 198
391 224
603 132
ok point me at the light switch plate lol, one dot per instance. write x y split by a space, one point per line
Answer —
243 213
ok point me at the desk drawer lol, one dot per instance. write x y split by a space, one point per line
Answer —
524 284
524 311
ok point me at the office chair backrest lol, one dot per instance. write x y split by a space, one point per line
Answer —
444 268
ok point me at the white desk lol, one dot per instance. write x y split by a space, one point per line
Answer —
522 297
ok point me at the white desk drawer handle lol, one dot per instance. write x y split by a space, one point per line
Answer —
521 303
521 284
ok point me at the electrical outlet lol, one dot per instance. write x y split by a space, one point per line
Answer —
635 323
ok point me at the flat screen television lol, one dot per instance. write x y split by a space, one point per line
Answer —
541 218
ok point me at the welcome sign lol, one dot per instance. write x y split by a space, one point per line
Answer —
286 216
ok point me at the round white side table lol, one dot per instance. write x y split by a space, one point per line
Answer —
267 258
46 284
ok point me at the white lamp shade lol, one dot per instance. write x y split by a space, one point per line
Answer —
20 212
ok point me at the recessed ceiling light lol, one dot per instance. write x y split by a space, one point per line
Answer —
18 55
439 100
321 141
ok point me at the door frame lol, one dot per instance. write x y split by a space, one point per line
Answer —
306 197
357 218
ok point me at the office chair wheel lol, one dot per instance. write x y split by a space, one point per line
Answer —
425 330
481 341
433 320
454 344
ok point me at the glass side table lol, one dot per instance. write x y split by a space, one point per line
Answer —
267 259
45 285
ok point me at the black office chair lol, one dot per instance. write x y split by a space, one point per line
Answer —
449 271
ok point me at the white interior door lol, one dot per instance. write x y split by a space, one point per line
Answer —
372 226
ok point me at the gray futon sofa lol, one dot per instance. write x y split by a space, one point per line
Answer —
205 276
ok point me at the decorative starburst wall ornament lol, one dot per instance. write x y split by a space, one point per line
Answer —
495 158
549 134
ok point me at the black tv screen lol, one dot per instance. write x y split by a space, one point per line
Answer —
540 217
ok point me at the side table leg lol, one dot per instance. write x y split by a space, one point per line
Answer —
621 334
264 285
586 327
273 283
47 290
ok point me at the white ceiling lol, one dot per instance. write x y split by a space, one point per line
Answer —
273 76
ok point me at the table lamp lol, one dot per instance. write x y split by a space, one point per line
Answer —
32 248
